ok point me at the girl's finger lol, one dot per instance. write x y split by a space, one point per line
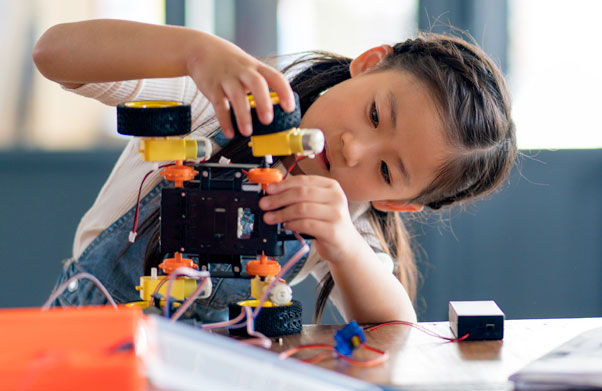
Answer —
318 195
261 93
318 229
240 104
221 106
216 95
278 82
304 210
303 181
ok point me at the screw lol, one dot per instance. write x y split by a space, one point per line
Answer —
236 269
265 240
183 216
182 249
237 175
235 199
205 174
183 194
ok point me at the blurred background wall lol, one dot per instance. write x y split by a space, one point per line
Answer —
535 247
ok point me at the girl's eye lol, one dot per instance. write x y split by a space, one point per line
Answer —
384 170
374 114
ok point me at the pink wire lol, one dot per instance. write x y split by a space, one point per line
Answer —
225 323
61 288
259 339
294 259
181 271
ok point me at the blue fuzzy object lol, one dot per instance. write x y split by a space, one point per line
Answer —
345 341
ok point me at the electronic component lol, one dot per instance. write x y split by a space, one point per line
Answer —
205 217
481 320
348 338
211 212
163 149
300 142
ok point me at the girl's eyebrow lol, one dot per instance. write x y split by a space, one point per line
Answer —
393 109
393 118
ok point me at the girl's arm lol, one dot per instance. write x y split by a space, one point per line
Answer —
110 50
317 206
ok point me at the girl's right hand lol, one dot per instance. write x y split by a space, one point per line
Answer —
103 50
224 73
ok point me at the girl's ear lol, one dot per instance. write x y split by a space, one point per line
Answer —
396 206
369 59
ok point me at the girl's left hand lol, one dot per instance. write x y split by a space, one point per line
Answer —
316 206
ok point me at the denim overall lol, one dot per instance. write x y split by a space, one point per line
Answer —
118 264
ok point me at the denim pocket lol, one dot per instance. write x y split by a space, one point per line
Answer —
81 291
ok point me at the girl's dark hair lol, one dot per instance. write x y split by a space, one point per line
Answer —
474 104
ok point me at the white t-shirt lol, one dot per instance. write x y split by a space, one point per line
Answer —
120 191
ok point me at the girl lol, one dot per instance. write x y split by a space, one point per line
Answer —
425 122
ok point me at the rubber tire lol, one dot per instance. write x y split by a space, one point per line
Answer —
153 121
282 120
272 321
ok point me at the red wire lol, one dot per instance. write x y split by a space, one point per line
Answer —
418 327
289 352
140 192
317 358
159 285
367 363
297 160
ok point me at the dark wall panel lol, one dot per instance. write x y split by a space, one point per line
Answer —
535 247
486 21
43 197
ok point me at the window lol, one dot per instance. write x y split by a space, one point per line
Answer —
555 73
37 113
346 27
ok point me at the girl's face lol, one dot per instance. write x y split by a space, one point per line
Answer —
384 138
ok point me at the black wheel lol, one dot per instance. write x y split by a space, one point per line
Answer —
271 321
282 120
153 118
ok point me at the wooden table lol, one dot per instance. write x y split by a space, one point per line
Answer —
418 361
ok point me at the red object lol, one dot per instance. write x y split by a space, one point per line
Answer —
264 176
179 173
171 264
78 348
263 267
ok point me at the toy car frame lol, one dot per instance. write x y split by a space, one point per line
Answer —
212 212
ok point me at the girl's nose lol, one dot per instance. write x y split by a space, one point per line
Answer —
353 149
